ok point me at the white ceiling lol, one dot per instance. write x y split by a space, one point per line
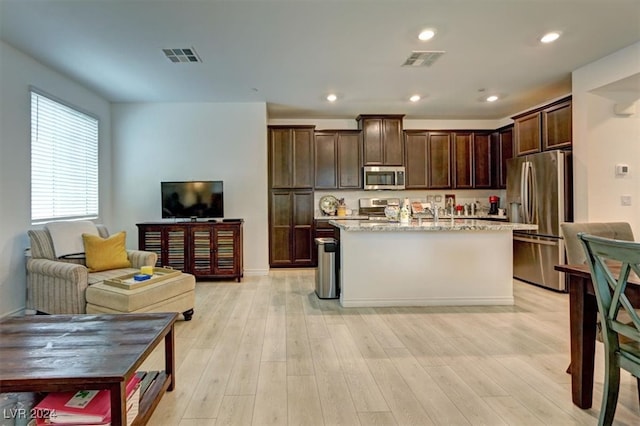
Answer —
291 54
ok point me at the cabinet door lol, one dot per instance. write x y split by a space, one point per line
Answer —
382 139
393 145
349 160
326 160
557 122
462 160
175 244
201 262
415 145
527 134
290 238
226 239
150 239
372 139
280 232
439 160
302 228
291 157
482 160
505 152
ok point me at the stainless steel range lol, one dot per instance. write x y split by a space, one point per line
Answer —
375 206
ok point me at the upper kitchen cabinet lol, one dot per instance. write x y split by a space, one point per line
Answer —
471 160
338 159
502 150
482 160
546 128
557 126
291 156
428 159
382 139
463 160
527 133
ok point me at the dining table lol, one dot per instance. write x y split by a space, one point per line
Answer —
583 309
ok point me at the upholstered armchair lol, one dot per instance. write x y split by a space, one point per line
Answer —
57 285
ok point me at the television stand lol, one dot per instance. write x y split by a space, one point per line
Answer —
209 250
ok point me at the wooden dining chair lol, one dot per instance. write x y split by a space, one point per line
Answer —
621 338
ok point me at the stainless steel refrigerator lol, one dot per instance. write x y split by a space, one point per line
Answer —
539 191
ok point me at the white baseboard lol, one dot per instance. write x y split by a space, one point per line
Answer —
255 272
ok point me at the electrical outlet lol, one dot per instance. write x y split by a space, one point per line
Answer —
625 200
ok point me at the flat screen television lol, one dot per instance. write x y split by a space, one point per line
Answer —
200 199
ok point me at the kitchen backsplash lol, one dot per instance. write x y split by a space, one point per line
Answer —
462 196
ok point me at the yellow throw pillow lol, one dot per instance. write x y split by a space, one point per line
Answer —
104 254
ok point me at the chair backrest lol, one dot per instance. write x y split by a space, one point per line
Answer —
604 256
575 251
42 244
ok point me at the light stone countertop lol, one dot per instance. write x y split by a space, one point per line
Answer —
430 225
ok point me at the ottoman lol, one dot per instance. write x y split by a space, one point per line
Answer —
175 294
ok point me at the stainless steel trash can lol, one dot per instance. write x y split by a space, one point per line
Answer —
326 272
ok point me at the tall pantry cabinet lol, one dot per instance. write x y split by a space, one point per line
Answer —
291 180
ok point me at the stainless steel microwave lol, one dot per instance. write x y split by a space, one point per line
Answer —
383 177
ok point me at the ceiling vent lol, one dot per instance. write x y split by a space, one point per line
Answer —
422 58
188 55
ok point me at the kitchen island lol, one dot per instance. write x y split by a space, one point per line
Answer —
446 262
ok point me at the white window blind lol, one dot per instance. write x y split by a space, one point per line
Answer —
64 162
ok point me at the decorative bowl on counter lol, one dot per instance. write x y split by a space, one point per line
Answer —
391 212
329 205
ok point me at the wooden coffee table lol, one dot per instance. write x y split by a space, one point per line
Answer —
53 353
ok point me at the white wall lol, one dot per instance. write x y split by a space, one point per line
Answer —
602 139
17 73
193 141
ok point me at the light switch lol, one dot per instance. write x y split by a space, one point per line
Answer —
625 200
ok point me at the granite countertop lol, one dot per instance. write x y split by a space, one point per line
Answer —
349 217
430 225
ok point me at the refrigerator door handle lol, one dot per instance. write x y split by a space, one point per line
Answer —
523 192
533 191
534 241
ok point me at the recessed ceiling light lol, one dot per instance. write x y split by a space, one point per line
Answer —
492 98
427 34
332 97
414 98
550 37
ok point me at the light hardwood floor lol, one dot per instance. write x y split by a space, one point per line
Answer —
267 351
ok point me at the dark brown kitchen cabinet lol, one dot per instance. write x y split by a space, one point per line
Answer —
428 159
416 144
471 160
527 133
482 160
206 250
383 142
338 159
502 149
291 228
439 160
462 160
546 128
291 156
557 126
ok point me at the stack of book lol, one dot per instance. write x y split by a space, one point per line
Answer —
86 407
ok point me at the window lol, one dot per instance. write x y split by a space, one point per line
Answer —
64 162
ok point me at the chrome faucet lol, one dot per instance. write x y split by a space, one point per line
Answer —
434 211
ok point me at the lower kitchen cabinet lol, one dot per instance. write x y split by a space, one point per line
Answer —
291 228
204 249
